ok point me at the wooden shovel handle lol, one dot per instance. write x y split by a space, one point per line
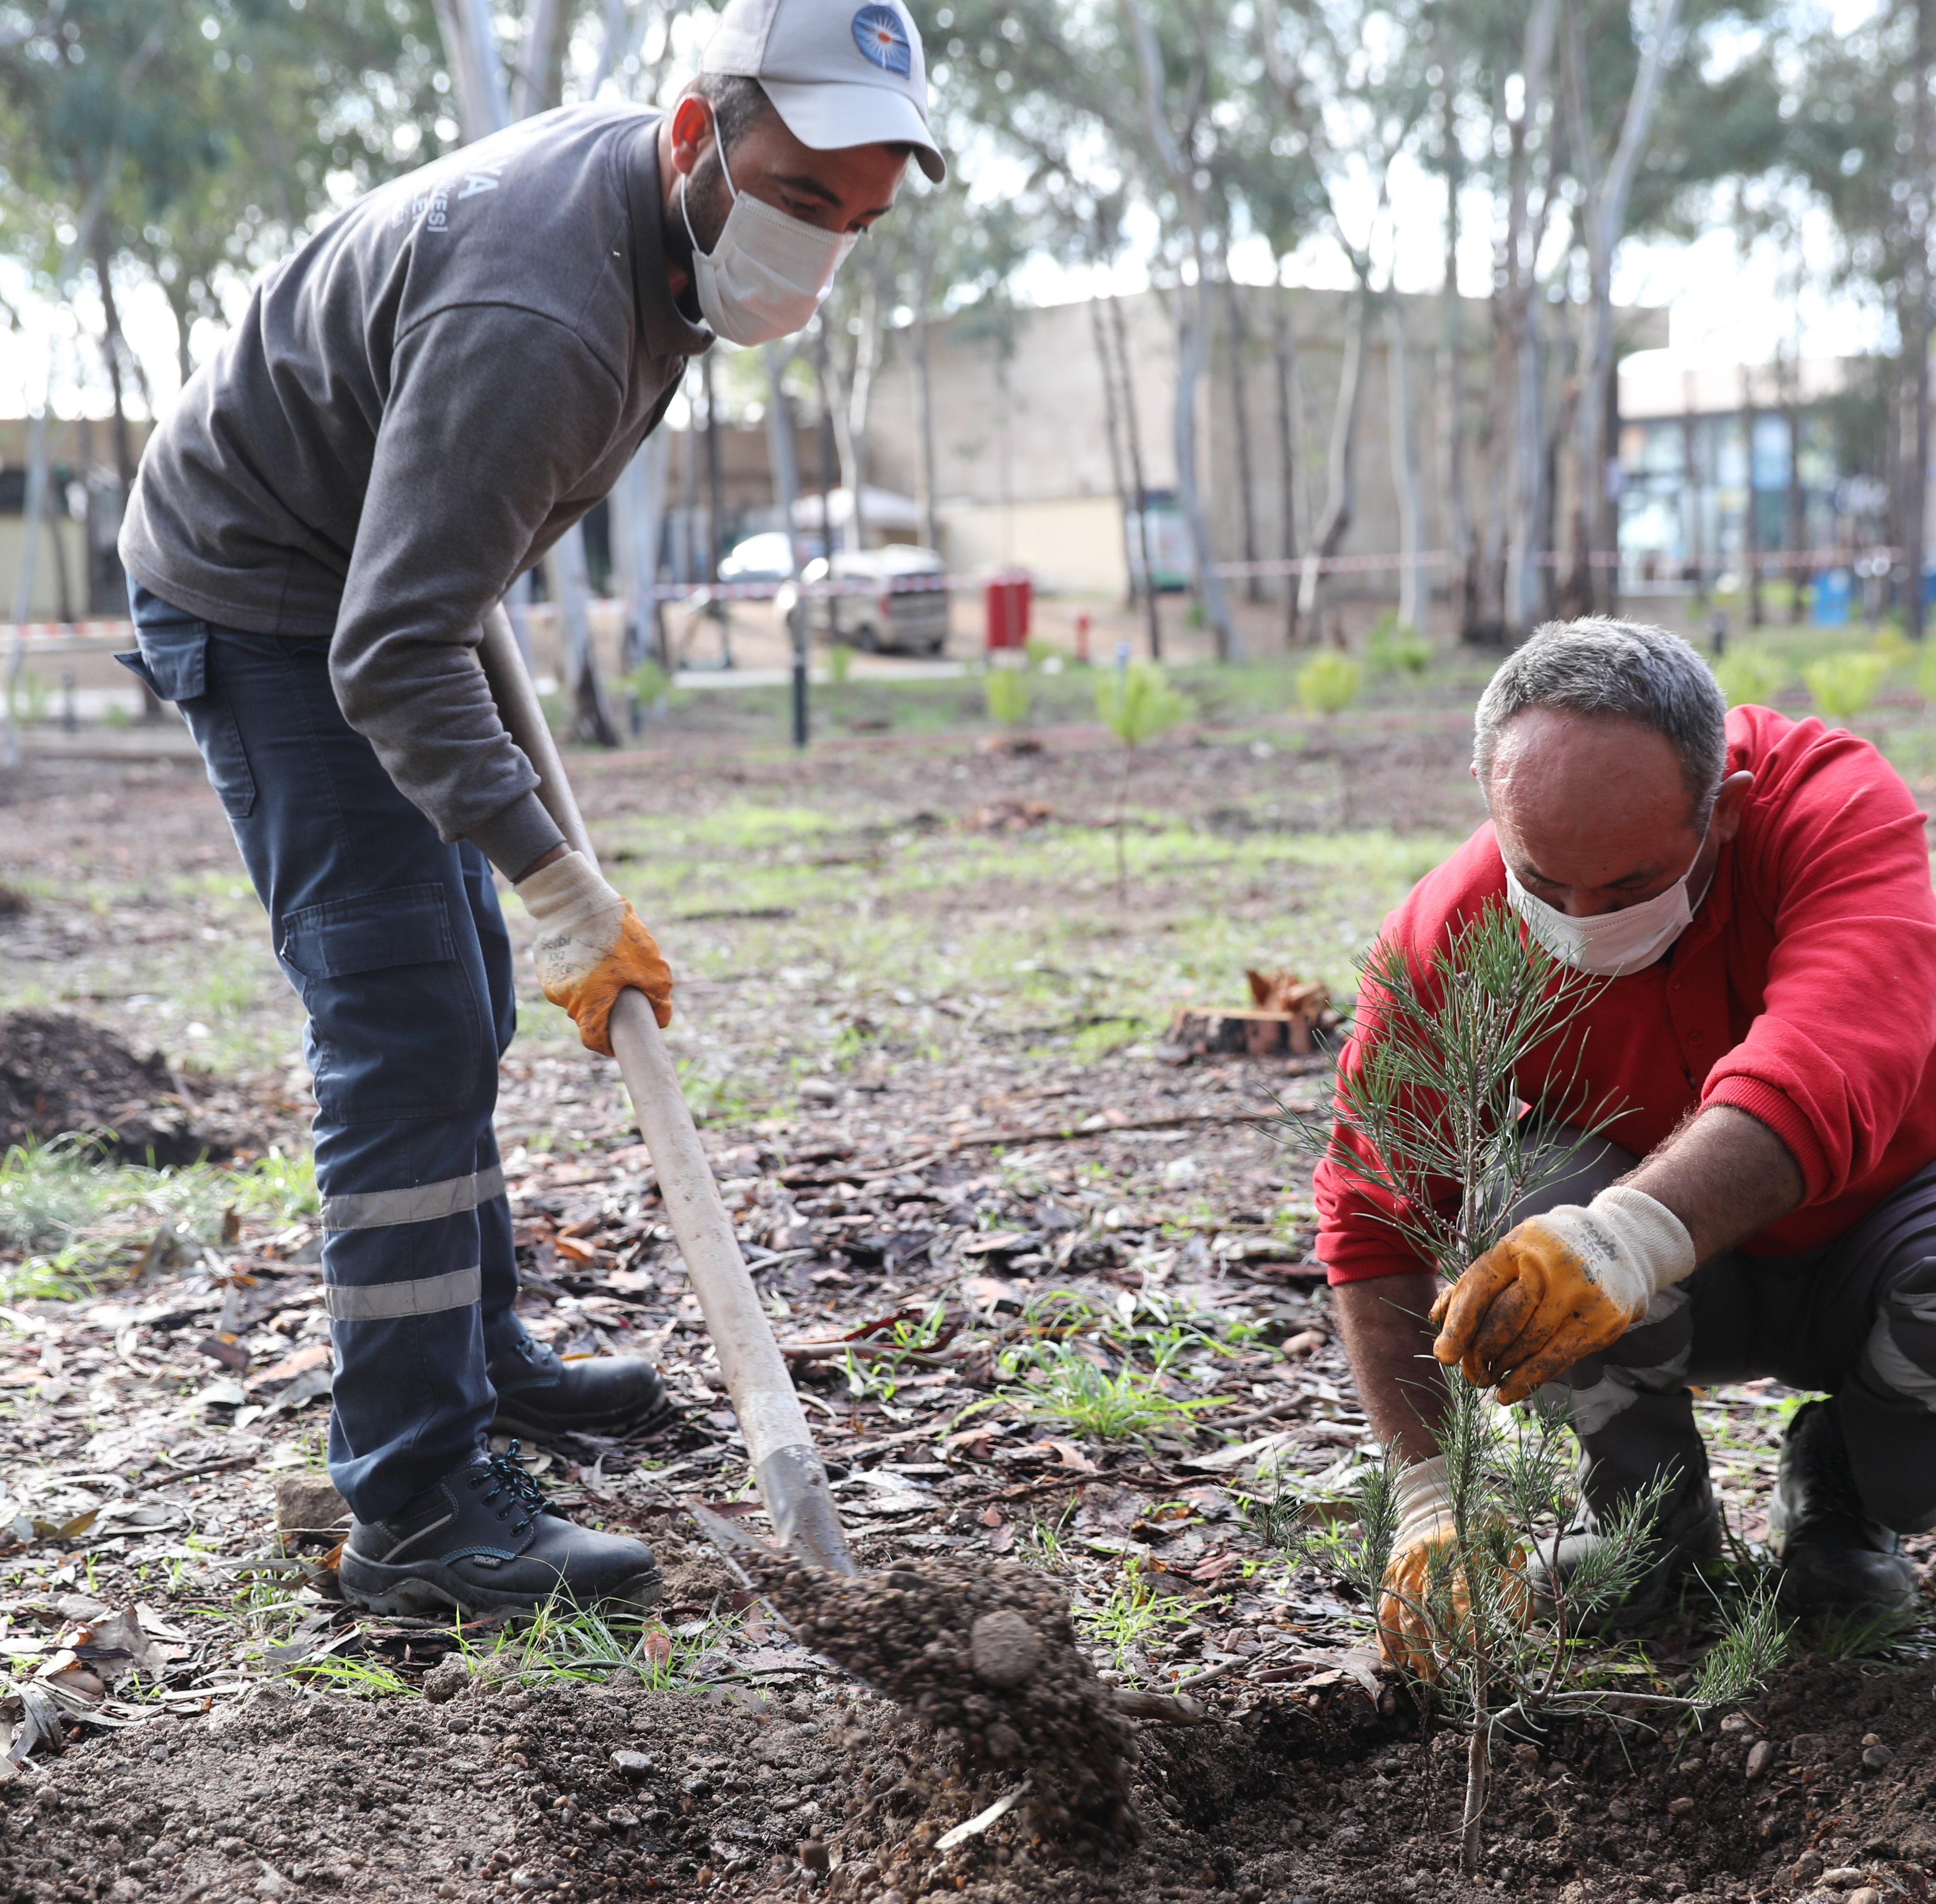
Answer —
792 1480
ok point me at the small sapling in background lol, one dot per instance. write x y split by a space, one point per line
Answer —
1136 703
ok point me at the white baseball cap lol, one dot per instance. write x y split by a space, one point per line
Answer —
839 73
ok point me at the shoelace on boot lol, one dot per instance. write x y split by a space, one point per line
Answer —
1824 1468
507 1475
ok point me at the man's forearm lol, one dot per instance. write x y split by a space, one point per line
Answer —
1724 1175
1388 1342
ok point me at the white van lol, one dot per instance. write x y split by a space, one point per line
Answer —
889 620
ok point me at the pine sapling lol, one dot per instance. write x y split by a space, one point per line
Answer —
1430 1123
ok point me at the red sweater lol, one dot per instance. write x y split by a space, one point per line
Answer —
1804 992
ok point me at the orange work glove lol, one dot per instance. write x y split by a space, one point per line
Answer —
1559 1287
591 946
1409 1637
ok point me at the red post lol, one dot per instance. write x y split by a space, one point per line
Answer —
1006 597
1082 637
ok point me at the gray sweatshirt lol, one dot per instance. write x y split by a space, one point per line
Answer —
418 405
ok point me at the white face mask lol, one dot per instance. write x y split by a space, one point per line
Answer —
766 276
1610 943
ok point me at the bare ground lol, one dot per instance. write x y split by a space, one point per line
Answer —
920 1021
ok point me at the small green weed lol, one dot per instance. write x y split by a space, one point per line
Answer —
1060 1383
881 1376
1133 1615
1105 1038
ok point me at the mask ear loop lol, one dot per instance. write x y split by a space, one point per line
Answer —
685 179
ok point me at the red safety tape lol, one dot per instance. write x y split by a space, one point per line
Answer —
701 594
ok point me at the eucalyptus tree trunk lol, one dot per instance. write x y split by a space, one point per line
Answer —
1751 527
1241 410
1915 296
923 408
1193 320
1288 409
1132 436
1795 532
1603 217
1454 426
1404 466
1340 497
1112 427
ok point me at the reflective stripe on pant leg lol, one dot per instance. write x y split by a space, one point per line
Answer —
388 1302
376 1209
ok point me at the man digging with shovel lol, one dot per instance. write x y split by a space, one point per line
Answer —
1755 892
415 407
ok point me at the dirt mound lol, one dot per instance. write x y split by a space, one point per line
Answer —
60 1073
986 1656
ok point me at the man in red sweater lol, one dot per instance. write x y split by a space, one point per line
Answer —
1756 892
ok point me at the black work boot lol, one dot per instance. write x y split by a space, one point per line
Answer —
1835 1559
483 1540
1655 1435
540 1394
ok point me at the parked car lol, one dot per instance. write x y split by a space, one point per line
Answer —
888 620
763 558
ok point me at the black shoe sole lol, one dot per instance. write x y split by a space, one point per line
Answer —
430 1589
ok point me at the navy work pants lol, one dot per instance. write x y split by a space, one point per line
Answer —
394 943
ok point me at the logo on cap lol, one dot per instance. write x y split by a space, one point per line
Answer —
879 33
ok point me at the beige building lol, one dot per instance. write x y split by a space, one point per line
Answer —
1024 468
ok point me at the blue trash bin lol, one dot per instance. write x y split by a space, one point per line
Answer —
1834 595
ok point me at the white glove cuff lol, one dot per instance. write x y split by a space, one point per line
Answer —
1634 1247
567 892
1424 1501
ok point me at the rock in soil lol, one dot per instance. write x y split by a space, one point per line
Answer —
987 1658
61 1074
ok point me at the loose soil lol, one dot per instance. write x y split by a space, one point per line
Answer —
61 1075
582 1794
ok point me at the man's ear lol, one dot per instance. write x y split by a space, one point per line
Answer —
1729 804
691 131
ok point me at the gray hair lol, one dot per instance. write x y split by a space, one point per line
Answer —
1624 670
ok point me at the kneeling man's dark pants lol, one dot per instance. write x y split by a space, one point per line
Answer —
394 943
1856 1318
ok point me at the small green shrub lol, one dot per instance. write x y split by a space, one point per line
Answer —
650 683
1007 689
839 663
1843 685
1329 682
1137 703
1393 647
1749 674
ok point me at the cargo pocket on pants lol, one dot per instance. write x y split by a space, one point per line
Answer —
397 1028
174 660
